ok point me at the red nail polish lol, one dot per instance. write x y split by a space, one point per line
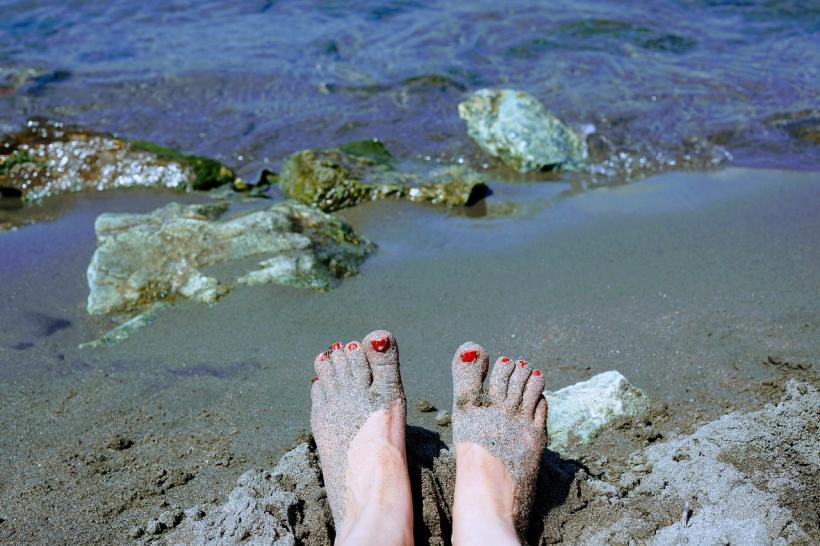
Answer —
380 345
536 372
314 379
352 346
468 356
522 363
336 346
321 356
505 360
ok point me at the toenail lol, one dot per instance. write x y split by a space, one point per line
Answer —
314 379
536 372
352 345
380 345
468 356
321 356
336 346
505 360
522 363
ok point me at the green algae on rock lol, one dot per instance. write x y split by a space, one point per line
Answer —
46 158
337 178
145 258
514 127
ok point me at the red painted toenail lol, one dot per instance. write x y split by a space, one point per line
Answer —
468 356
380 345
321 356
336 346
522 363
314 379
352 345
505 360
536 372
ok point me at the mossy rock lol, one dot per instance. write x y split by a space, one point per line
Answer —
46 158
336 178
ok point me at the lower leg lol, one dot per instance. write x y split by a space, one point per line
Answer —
378 503
483 509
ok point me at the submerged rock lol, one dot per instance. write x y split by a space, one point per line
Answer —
336 178
578 412
47 158
144 258
514 127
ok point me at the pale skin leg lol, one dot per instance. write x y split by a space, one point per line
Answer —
499 436
358 417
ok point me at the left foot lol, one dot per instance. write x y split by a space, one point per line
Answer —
358 417
499 438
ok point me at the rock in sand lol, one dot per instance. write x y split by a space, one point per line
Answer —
145 258
578 412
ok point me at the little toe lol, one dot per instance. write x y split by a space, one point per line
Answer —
541 410
532 393
357 363
515 389
470 365
324 368
499 379
382 354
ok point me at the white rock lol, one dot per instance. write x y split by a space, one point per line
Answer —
578 412
514 127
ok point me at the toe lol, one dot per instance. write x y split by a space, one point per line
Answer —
470 365
324 368
515 389
499 379
357 363
541 408
339 361
382 354
316 393
533 392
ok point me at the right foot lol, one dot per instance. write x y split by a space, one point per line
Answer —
499 439
358 417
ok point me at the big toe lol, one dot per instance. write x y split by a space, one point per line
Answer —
470 365
382 354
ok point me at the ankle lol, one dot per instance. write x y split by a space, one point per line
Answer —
390 525
484 498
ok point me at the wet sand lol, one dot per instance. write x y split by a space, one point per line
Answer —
701 288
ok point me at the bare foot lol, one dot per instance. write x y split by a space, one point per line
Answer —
358 417
499 437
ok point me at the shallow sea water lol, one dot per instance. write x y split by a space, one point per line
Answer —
678 83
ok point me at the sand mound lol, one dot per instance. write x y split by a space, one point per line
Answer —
744 478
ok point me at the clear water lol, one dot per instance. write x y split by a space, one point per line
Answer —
669 84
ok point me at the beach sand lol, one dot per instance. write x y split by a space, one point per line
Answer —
701 288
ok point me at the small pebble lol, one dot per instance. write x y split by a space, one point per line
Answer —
424 406
119 443
154 527
443 419
171 518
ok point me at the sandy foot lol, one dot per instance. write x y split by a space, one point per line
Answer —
499 438
358 417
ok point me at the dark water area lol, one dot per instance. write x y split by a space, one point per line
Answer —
667 85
